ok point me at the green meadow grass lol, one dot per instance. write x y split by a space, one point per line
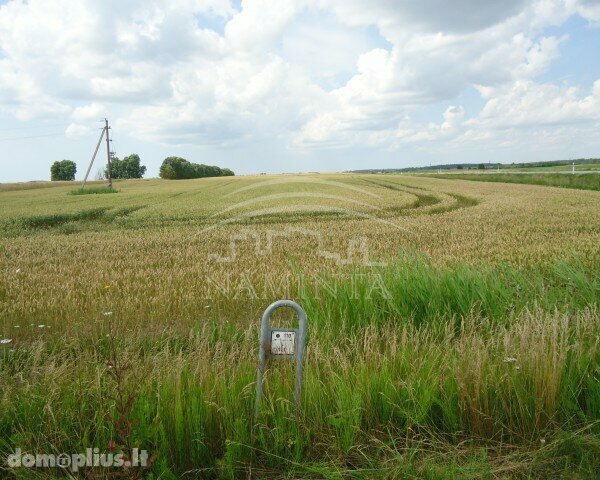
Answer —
564 167
93 191
583 181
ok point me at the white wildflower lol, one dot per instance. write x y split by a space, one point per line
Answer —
4 341
509 360
107 313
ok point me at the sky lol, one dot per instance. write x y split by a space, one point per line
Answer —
298 85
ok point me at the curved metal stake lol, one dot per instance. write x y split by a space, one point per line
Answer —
265 349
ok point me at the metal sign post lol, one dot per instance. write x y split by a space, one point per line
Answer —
281 343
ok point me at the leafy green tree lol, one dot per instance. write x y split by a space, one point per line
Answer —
63 170
167 172
174 167
129 167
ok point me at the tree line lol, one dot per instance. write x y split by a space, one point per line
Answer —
172 168
176 168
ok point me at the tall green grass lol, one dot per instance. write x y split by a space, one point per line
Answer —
93 191
419 292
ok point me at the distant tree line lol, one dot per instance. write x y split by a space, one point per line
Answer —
172 168
448 166
63 170
176 168
129 167
482 166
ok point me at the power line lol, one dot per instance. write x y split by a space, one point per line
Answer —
33 127
32 136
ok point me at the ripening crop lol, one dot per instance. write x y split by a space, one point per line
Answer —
447 319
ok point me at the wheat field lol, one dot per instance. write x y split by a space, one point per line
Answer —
453 326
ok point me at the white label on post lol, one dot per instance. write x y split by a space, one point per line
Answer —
282 343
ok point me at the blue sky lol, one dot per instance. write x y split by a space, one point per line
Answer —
298 85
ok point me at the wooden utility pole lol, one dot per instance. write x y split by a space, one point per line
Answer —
108 152
92 161
109 155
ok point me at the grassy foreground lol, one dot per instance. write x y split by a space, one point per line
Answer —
412 372
583 181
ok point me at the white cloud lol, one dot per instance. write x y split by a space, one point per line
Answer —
589 9
426 70
259 23
309 73
91 112
512 116
526 103
228 102
76 130
325 49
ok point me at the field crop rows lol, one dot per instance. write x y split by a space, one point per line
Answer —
453 325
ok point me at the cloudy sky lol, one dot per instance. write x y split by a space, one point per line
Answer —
298 85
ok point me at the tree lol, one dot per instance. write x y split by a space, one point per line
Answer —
129 167
174 168
167 172
63 170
